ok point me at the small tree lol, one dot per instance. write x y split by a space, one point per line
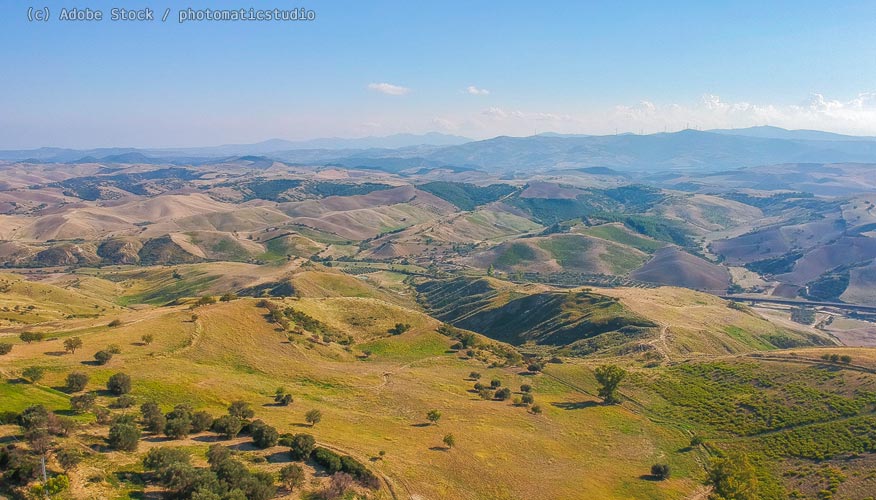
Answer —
486 393
527 399
201 421
845 359
71 344
147 338
433 416
399 328
228 297
609 377
76 381
503 394
103 357
535 367
119 384
449 440
241 409
123 401
83 402
228 426
660 471
124 436
302 446
31 337
313 417
536 409
152 418
733 477
495 383
33 373
525 388
5 348
474 375
292 476
263 435
114 323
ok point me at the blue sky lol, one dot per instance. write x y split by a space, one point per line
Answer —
472 68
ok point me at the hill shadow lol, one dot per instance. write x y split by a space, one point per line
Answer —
422 424
649 477
575 405
439 448
279 457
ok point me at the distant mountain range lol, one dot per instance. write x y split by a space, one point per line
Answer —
688 149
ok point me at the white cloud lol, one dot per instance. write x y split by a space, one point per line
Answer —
388 88
476 91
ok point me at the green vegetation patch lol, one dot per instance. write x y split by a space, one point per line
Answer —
467 196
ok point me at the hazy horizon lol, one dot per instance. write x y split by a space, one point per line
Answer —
384 68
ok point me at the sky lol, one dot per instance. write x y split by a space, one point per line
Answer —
472 68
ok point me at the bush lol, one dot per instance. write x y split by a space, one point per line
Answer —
119 384
292 476
33 373
178 422
525 388
5 348
241 410
228 426
474 375
71 344
660 471
83 402
527 399
113 349
302 446
495 383
330 460
201 421
503 394
433 416
449 440
399 328
103 357
76 381
152 418
123 401
536 409
486 393
29 337
535 367
313 417
69 458
124 436
263 435
147 338
160 458
114 323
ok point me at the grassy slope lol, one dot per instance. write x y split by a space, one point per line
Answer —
232 352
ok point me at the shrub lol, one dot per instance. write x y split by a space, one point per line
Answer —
313 417
69 457
33 373
123 401
449 440
433 416
474 375
76 381
535 367
241 410
179 422
338 486
660 471
71 344
495 383
152 418
527 399
486 393
147 338
201 421
83 402
119 384
114 323
124 436
228 297
263 435
525 388
51 488
103 357
536 409
302 446
328 459
292 476
845 359
228 426
113 349
29 337
503 394
399 328
733 477
160 458
101 415
5 348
